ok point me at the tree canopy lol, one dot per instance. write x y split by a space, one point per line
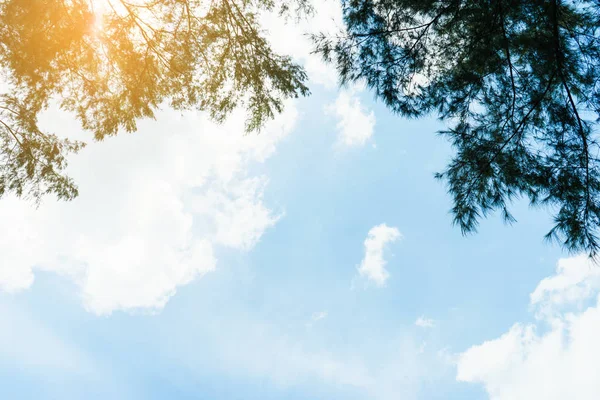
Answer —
517 83
112 62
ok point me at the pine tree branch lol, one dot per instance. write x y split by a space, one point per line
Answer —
560 61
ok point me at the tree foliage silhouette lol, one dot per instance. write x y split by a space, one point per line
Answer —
112 68
518 83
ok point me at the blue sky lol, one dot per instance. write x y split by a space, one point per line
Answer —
316 260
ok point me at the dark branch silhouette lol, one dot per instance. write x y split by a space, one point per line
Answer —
518 83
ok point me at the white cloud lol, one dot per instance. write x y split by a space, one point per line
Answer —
423 322
240 215
355 124
532 361
16 258
373 264
152 206
576 279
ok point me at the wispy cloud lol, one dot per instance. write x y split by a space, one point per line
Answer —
246 347
423 322
316 317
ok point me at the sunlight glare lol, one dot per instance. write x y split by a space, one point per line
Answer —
102 7
98 8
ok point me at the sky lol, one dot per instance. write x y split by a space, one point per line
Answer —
315 260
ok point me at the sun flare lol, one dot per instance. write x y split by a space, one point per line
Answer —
101 8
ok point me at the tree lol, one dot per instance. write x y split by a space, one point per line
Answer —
113 65
518 84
